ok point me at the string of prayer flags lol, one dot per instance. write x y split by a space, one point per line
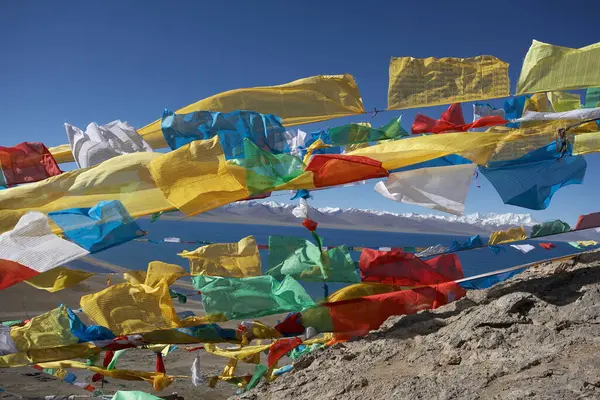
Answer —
547 67
333 169
507 236
452 120
264 130
31 249
105 225
405 269
303 101
27 162
420 82
549 228
100 143
124 178
440 188
523 248
196 178
58 278
235 260
253 297
303 260
588 221
531 181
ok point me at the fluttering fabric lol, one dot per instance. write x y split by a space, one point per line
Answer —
592 97
304 260
564 101
362 289
356 317
49 330
432 250
196 178
440 188
532 180
473 241
306 100
58 278
586 143
101 143
234 260
197 378
280 348
105 225
523 248
497 249
507 236
27 162
419 82
363 133
588 221
265 171
405 269
580 114
133 395
301 211
265 130
7 345
253 297
452 120
513 109
549 228
333 169
127 308
481 110
124 178
31 249
547 67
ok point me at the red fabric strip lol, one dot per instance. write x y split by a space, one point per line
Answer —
337 169
280 348
452 121
588 221
27 162
12 273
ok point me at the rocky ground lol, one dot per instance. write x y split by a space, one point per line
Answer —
534 336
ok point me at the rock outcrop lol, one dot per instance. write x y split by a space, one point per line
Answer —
534 336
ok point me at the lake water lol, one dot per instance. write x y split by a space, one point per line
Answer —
137 255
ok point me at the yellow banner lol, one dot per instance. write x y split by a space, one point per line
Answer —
420 82
58 279
547 67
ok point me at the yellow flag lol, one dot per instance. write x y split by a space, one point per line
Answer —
564 101
235 260
240 353
586 143
125 308
547 67
196 178
510 235
58 279
49 330
360 290
158 271
34 356
125 178
420 82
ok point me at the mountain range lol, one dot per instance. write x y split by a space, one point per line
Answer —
273 213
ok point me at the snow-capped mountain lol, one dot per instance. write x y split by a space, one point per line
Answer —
273 213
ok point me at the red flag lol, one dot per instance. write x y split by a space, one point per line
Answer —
310 224
405 269
27 162
547 246
452 121
588 221
337 169
280 348
160 365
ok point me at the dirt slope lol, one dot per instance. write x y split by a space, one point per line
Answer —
534 336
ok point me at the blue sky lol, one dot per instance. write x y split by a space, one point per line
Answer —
78 62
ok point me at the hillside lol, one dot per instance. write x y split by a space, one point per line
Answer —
534 336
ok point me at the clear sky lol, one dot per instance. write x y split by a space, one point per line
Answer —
84 61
